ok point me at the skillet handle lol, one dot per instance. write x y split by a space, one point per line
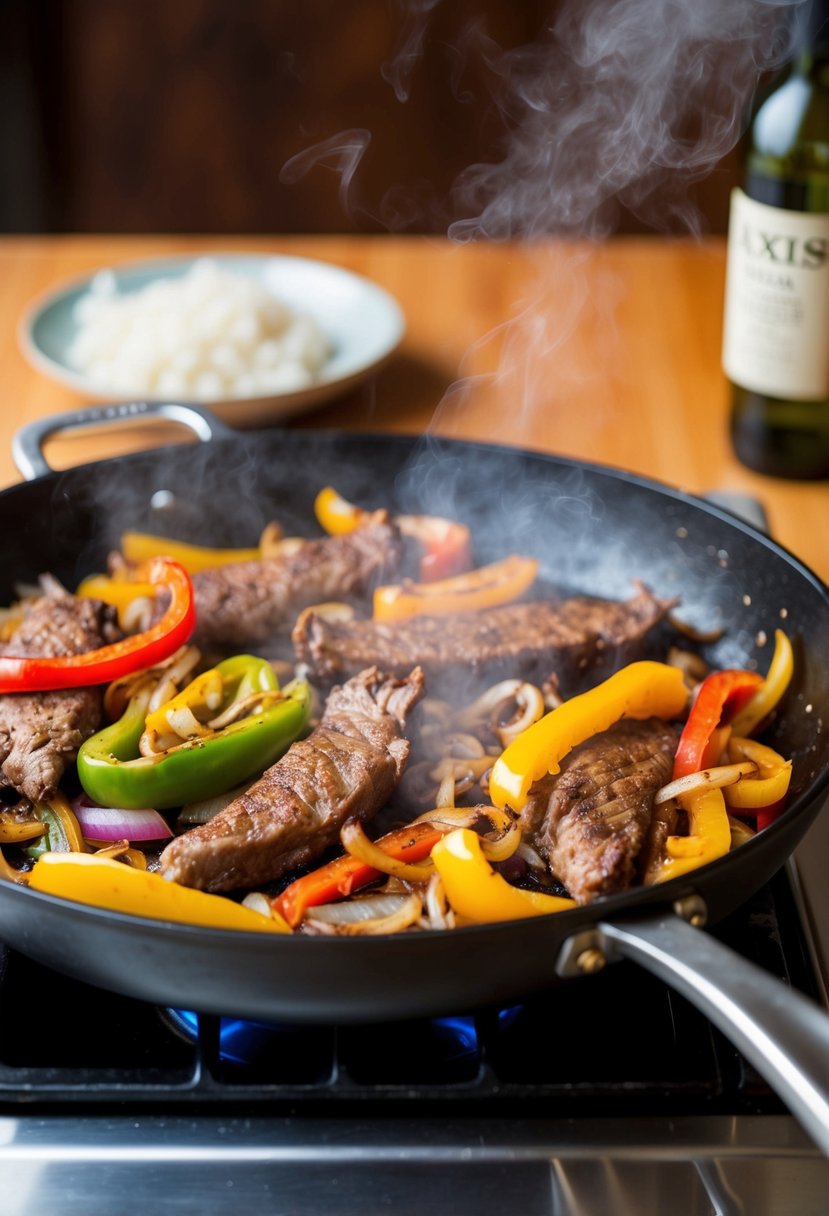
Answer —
782 1033
27 445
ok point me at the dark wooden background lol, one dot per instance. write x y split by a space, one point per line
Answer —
180 115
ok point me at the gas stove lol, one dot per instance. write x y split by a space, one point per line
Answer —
609 1095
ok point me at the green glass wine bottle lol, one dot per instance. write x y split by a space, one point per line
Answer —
776 328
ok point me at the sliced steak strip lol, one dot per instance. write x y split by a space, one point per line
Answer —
348 766
40 732
592 820
254 601
459 653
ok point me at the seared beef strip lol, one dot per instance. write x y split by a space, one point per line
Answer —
40 732
592 820
253 601
458 653
348 766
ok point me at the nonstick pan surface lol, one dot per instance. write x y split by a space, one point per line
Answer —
594 530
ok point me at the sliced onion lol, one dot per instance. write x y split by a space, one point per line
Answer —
202 812
120 851
334 611
504 845
706 779
382 914
137 615
269 537
488 701
244 706
529 855
740 831
436 903
692 665
528 700
116 823
257 902
445 797
467 817
355 842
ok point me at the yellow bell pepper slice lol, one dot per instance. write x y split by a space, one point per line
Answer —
335 514
709 835
138 547
641 690
488 586
104 883
477 892
751 793
120 592
771 690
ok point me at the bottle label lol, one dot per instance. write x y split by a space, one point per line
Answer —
776 326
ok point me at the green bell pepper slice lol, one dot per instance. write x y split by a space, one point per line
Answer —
114 773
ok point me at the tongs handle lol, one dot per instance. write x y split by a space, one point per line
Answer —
782 1033
27 445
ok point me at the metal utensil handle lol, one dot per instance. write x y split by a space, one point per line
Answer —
782 1033
27 445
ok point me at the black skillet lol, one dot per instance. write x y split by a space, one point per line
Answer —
594 530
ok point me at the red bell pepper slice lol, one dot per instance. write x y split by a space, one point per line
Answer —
22 673
721 695
768 814
447 545
346 874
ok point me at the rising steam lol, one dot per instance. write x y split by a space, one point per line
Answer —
622 104
341 153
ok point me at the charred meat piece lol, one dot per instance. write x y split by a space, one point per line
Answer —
348 766
592 821
459 653
254 601
40 732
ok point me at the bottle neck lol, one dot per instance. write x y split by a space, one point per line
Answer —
811 33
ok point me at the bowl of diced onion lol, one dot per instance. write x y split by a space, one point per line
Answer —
255 337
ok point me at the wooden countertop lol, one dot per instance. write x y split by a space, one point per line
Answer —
607 353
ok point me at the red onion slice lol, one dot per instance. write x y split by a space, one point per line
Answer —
116 823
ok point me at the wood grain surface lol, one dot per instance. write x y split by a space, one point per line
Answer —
609 353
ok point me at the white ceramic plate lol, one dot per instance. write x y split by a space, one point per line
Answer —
363 323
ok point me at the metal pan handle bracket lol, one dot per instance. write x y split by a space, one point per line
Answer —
27 445
784 1035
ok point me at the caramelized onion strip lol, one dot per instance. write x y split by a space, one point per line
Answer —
706 779
355 842
351 919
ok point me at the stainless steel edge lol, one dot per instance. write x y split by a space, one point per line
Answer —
27 445
293 1166
783 1034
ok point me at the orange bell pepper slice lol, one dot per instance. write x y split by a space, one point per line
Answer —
335 514
488 586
